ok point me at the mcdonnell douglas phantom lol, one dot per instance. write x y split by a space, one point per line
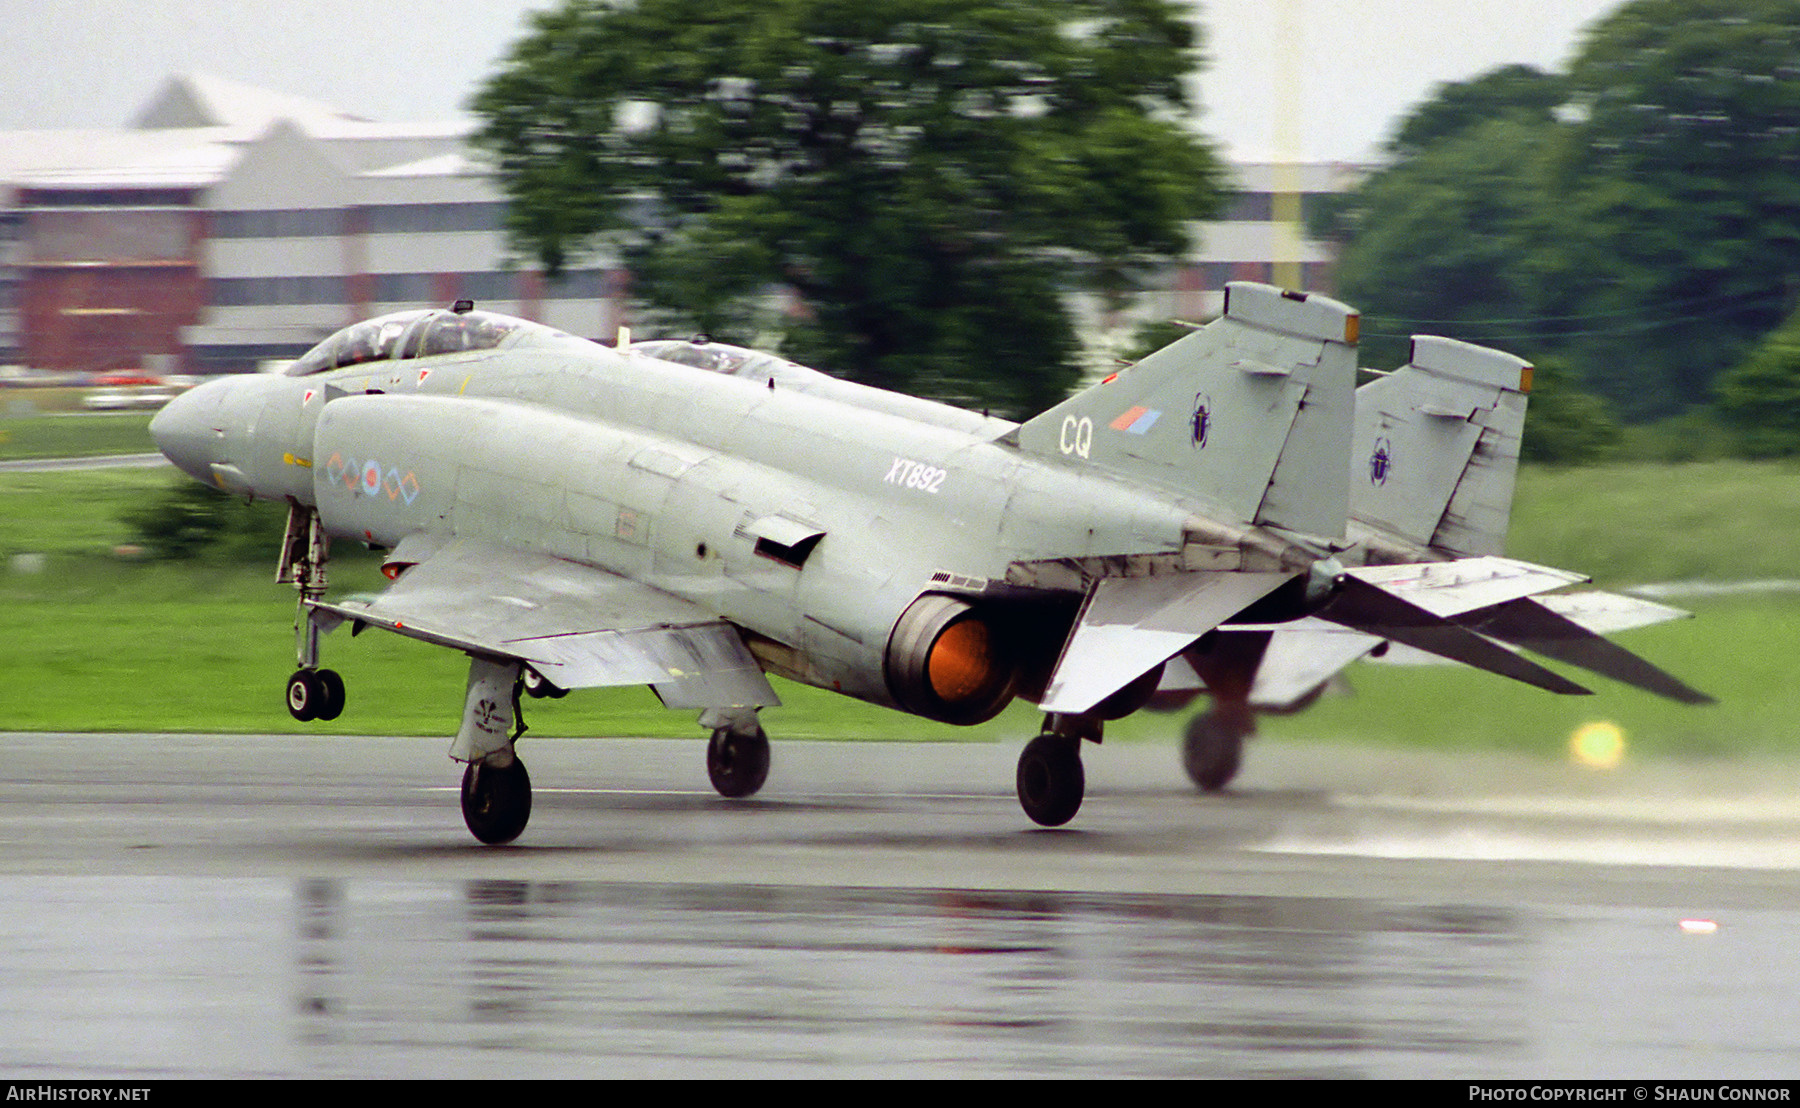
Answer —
1230 515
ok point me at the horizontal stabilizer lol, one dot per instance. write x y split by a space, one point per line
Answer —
1371 609
1532 625
1606 612
1451 588
1129 625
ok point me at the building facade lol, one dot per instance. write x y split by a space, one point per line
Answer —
229 227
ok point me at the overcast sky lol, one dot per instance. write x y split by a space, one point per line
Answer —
1356 64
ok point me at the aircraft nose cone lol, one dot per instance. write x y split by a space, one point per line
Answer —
187 430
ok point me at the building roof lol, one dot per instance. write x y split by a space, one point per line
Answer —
197 128
190 100
111 159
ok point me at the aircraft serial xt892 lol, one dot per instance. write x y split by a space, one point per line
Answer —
1229 515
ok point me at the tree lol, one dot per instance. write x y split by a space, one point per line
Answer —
1645 229
1436 239
1565 426
1679 189
187 520
1760 399
929 177
1518 92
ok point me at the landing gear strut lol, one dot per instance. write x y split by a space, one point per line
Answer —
312 693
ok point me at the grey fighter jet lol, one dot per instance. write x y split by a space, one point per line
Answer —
1228 515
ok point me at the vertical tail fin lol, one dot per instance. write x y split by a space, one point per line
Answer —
1251 413
1436 449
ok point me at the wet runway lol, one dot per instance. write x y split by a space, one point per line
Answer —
183 906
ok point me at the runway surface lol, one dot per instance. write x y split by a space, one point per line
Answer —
183 906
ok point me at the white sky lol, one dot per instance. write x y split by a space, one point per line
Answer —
1354 67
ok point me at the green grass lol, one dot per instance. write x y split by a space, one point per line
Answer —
1638 523
93 643
74 435
72 513
1742 651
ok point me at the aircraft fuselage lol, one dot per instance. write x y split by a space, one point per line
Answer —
812 522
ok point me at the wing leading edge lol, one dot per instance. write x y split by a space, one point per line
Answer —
578 626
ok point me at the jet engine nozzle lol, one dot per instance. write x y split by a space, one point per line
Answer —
946 661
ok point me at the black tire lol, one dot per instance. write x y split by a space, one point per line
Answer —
537 686
1050 780
737 763
1212 751
331 706
496 801
306 695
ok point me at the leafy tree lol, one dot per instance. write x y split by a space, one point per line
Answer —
1760 399
189 519
1436 240
1564 425
929 177
1679 189
1645 229
1518 92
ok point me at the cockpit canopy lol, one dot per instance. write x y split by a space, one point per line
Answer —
718 357
415 334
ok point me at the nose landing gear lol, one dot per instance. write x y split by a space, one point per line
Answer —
312 693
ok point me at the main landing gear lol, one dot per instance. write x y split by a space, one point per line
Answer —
496 800
1051 781
737 755
1212 747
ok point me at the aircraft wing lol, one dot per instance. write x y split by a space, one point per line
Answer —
578 626
1128 626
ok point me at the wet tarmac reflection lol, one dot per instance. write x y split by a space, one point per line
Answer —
733 979
217 977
